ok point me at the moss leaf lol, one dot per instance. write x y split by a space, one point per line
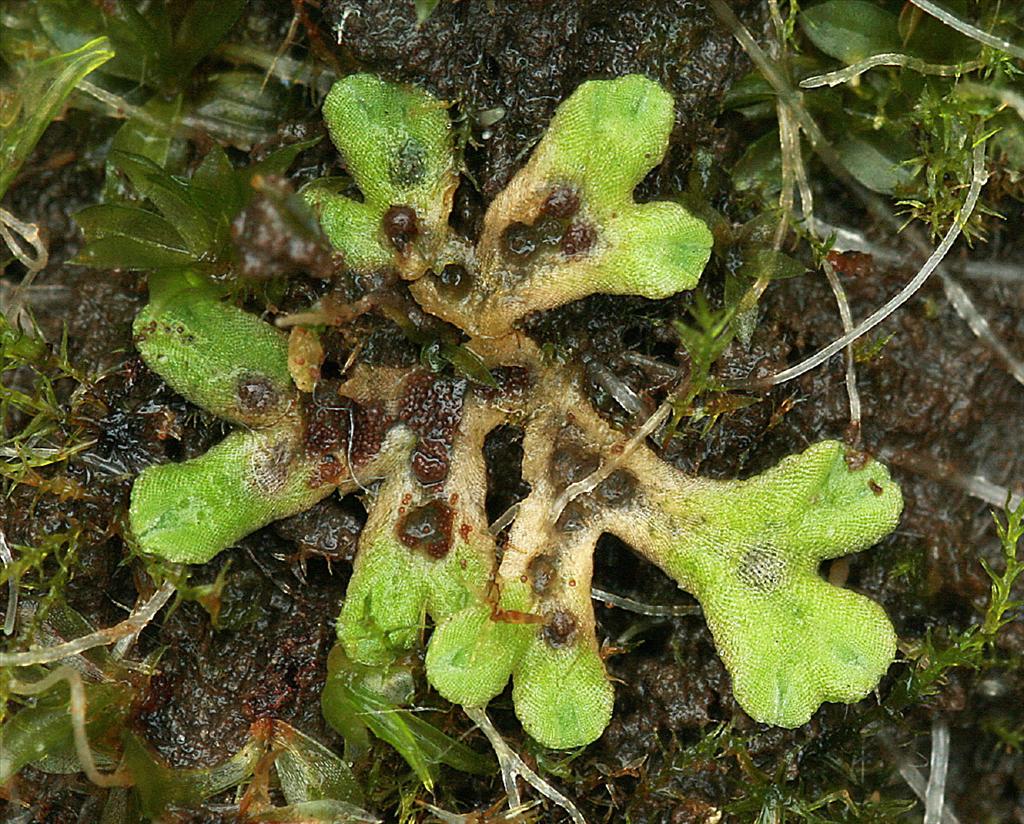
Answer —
40 96
850 30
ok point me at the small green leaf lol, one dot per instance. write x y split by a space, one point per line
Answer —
876 161
764 262
45 730
148 133
561 712
188 512
850 30
201 30
220 191
468 363
69 24
278 161
160 786
122 252
241 107
130 224
386 596
213 352
752 95
568 226
41 95
140 33
471 656
760 166
308 771
172 197
425 8
348 697
149 51
235 365
397 142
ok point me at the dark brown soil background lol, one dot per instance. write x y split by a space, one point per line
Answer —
937 404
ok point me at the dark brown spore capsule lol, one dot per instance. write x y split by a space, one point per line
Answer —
430 462
400 226
431 407
543 570
328 471
579 239
549 231
255 395
369 426
428 528
327 428
570 464
513 381
576 515
560 630
519 240
617 488
562 202
455 280
453 275
856 459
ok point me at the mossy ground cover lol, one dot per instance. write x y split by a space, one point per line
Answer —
180 138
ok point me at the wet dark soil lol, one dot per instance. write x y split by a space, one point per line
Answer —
520 60
938 406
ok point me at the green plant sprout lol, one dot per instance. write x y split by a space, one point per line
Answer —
566 227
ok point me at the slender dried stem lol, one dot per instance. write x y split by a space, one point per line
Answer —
133 624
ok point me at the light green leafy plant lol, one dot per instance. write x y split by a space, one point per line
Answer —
566 227
231 363
398 148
